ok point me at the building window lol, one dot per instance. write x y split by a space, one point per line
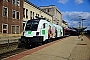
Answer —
13 1
15 29
36 16
18 15
41 16
4 28
26 13
44 25
18 2
5 11
48 10
30 14
33 15
13 13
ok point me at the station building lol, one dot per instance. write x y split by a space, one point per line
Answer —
31 11
64 24
14 14
54 11
11 15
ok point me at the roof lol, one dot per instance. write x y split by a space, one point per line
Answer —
42 7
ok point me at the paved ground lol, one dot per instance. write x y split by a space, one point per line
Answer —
81 50
70 48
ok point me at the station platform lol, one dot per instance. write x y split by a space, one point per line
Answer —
69 48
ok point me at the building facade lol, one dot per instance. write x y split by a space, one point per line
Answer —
31 11
54 11
11 15
64 24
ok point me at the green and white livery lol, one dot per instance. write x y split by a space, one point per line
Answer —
37 31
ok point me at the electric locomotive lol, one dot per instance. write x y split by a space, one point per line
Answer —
37 31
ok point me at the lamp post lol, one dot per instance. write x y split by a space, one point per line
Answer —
81 28
79 24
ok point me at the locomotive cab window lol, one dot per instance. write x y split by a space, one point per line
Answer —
44 25
32 25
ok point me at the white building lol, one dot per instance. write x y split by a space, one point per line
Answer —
54 11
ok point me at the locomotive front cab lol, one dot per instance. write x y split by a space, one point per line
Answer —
31 33
30 28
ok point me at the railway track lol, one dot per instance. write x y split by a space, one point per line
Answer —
10 49
11 53
7 50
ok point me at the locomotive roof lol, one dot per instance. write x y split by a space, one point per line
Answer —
38 19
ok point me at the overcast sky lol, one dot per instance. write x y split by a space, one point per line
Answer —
70 9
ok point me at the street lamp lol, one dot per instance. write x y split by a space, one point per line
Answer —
79 27
82 27
79 24
82 30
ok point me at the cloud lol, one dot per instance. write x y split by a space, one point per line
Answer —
62 1
73 18
78 1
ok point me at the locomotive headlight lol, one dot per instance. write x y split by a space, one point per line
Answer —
37 33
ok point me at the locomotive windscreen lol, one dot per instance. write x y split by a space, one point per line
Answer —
32 25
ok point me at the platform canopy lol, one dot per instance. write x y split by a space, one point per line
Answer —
80 29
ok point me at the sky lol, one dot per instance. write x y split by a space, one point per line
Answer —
73 11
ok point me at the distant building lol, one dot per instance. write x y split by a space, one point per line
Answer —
11 14
54 11
31 11
64 24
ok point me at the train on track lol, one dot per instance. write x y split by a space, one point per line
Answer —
39 31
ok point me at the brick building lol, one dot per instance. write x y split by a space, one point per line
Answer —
11 15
